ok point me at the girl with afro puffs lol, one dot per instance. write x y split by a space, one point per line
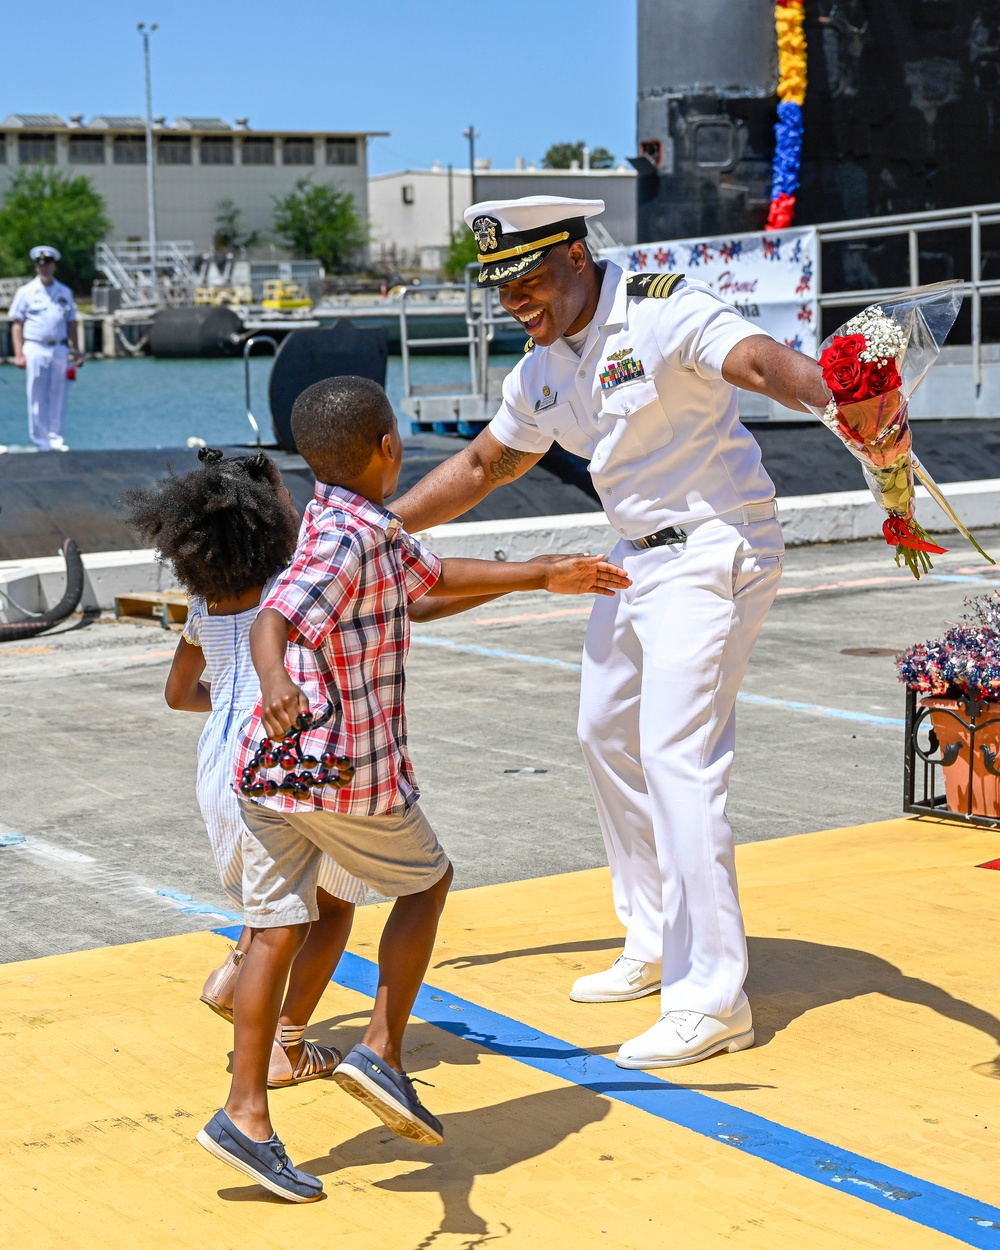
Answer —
227 529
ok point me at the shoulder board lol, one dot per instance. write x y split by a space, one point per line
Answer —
652 285
529 346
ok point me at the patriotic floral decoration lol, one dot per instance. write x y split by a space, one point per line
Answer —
872 365
789 18
965 662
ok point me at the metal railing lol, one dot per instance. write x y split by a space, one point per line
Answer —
912 226
247 348
482 313
146 278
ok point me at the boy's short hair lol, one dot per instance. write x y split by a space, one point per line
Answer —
338 423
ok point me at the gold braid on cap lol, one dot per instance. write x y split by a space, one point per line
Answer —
525 247
511 271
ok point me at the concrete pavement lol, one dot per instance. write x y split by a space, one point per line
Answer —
101 839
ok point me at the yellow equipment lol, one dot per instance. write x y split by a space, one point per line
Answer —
223 295
284 296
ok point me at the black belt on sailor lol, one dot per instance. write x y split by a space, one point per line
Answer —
49 342
746 513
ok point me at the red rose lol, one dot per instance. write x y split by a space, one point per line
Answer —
842 371
878 380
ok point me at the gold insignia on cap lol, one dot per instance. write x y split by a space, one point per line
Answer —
485 230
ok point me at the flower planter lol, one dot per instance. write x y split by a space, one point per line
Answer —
968 737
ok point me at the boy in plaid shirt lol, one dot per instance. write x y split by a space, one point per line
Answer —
343 605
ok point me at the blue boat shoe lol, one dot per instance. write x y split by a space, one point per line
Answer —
390 1094
263 1161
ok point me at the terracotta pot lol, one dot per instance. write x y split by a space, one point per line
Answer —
955 730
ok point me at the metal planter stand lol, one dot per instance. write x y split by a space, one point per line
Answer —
924 762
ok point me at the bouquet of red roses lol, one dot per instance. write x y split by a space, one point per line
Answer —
872 365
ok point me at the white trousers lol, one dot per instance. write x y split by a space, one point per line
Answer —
46 380
663 662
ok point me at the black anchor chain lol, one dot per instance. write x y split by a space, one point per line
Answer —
302 773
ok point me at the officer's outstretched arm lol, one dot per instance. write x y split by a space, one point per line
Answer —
461 481
769 368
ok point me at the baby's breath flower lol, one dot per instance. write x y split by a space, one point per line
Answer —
884 337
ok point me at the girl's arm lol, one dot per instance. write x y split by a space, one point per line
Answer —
185 691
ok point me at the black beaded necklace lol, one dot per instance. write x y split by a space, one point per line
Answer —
302 773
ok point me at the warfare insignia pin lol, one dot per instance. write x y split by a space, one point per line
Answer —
485 230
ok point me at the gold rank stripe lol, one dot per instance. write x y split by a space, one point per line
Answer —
661 287
524 247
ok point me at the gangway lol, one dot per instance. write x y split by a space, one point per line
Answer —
143 279
465 407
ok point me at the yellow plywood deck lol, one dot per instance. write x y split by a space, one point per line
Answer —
875 998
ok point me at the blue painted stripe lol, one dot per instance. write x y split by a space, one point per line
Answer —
191 907
932 1206
839 713
427 641
792 705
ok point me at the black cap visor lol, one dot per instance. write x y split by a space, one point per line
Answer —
518 254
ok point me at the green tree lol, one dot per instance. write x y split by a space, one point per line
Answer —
318 220
229 236
462 251
561 155
45 206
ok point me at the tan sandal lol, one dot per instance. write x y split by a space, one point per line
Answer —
221 985
314 1063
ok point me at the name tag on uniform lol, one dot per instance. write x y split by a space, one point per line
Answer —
615 372
546 401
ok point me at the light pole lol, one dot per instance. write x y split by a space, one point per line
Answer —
150 179
472 135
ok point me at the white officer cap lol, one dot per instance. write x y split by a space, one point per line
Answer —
515 236
45 253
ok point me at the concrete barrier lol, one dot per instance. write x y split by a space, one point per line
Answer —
843 516
38 583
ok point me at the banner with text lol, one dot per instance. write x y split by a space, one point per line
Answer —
767 277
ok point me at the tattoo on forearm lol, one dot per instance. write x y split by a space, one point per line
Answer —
506 466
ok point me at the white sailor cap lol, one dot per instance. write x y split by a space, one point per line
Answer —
45 253
515 236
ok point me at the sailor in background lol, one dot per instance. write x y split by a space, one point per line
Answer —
638 374
43 328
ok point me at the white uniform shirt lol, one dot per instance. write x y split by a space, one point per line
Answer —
45 310
666 447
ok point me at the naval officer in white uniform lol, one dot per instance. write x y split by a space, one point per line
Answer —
638 374
43 328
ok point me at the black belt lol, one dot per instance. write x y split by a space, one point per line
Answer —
49 342
662 538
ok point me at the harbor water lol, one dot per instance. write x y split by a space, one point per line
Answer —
148 403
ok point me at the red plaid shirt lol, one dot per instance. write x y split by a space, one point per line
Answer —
345 593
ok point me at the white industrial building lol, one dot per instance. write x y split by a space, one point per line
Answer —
411 213
199 161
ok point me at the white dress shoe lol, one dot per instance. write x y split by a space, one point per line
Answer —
625 979
680 1037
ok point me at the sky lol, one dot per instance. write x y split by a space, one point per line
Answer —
525 75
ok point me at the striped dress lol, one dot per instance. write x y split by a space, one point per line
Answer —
225 645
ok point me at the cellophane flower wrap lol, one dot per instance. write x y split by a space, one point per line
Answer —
872 366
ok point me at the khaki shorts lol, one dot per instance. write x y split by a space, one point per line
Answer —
395 855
